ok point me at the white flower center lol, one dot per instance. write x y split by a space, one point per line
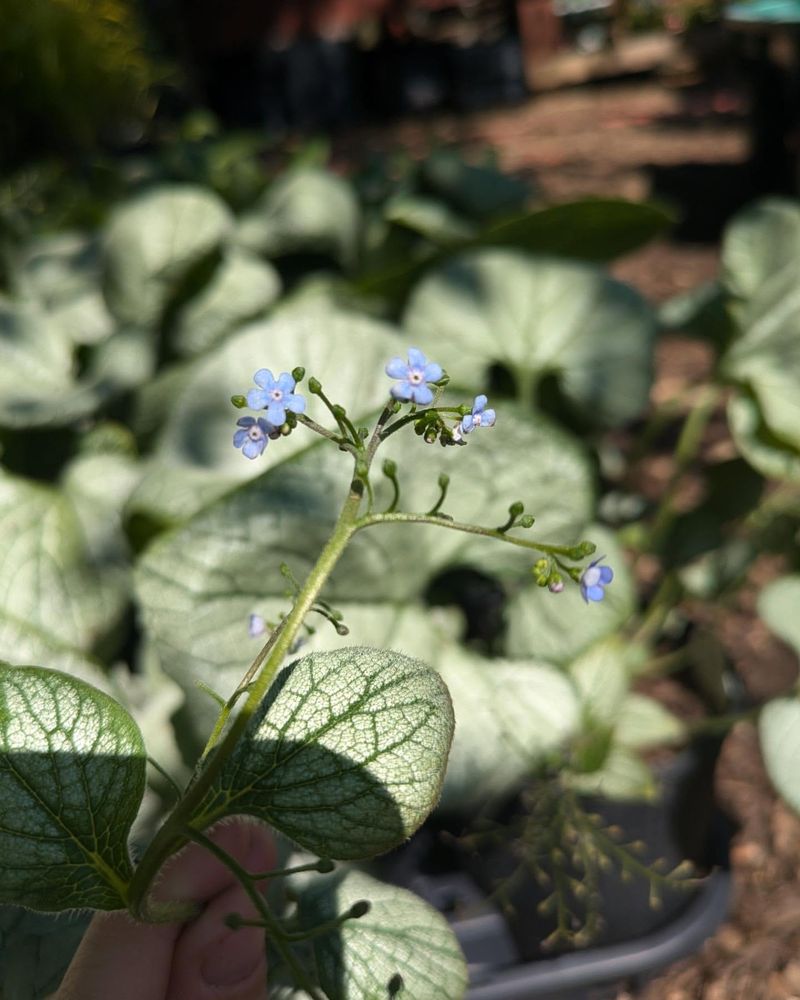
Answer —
276 394
415 376
476 419
592 576
255 433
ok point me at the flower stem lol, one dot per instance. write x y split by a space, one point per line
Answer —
393 517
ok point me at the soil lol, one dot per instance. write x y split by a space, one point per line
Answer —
687 145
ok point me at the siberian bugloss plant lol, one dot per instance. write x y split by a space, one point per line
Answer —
344 752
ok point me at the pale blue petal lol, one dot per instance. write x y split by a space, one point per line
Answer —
264 378
421 395
595 593
286 383
276 414
606 574
467 424
258 399
488 418
239 438
295 403
397 368
245 421
479 404
252 449
416 359
432 372
402 391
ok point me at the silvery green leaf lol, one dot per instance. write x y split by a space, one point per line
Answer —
402 948
38 384
61 273
345 755
152 242
623 775
509 714
779 732
306 210
772 456
63 562
72 774
778 604
21 643
35 362
430 218
765 354
557 627
643 722
242 288
602 678
762 241
538 316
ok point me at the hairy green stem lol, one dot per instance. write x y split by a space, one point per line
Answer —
188 812
472 529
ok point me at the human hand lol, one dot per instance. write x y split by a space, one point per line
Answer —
201 959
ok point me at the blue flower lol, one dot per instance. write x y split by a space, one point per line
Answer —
411 387
256 626
480 416
595 579
252 438
275 395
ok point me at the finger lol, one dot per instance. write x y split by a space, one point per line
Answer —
121 958
196 875
214 962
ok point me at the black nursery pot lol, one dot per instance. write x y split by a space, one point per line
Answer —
504 952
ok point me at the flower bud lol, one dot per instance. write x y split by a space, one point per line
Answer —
516 508
298 374
314 386
239 402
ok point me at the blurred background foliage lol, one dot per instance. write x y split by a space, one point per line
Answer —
73 73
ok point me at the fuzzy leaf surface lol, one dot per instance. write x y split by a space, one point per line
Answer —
346 755
402 948
72 774
538 316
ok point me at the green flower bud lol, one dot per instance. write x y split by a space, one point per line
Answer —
239 402
298 374
314 386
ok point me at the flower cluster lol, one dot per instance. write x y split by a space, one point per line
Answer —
276 396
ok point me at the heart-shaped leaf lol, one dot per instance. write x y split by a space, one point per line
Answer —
72 774
306 210
152 242
777 605
346 754
779 732
538 316
401 948
242 288
63 558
